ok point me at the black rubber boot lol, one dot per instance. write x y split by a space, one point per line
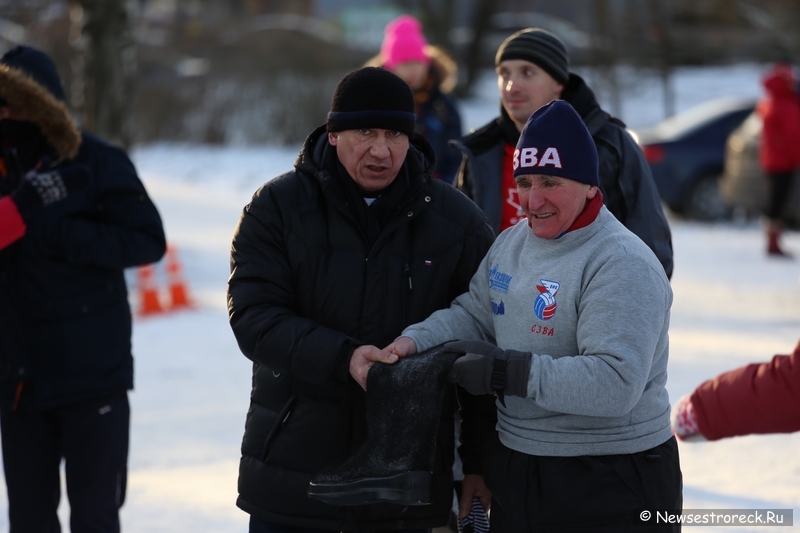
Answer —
395 463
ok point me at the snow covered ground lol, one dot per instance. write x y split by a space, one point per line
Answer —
732 306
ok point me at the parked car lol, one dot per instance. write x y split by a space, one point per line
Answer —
686 153
743 185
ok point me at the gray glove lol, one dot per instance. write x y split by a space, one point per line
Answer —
487 369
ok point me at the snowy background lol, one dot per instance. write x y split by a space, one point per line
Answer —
732 306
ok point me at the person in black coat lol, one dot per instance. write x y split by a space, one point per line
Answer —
533 68
65 340
329 261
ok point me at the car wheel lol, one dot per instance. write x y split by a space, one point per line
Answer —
704 201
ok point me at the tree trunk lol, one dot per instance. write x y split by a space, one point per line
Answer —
604 52
106 53
665 47
481 22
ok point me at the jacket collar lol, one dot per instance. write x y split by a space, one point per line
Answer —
583 100
312 158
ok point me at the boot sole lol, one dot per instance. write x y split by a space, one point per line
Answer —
409 488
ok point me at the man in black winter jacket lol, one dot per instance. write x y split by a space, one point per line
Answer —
532 69
329 261
65 339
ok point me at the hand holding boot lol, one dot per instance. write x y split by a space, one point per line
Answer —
362 360
402 346
487 369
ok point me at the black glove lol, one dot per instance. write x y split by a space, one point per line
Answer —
487 369
40 189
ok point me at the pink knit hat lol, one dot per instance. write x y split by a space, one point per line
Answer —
403 41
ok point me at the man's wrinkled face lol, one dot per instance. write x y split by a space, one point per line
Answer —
524 88
372 157
550 203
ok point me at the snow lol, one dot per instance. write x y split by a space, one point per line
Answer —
732 306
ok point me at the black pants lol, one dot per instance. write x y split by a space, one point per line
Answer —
780 186
92 438
259 526
588 493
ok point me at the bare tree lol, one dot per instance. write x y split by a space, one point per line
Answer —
604 51
661 34
780 18
104 68
438 18
480 25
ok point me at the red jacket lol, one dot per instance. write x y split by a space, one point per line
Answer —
13 227
756 398
779 108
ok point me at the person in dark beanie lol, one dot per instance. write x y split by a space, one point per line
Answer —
328 261
577 362
533 68
80 217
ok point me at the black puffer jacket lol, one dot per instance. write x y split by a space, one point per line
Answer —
629 191
305 289
65 323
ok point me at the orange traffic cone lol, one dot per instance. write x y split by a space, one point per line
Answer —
148 291
179 296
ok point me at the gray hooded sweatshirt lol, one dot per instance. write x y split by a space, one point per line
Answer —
593 308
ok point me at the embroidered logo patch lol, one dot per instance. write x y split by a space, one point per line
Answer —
545 305
498 281
498 309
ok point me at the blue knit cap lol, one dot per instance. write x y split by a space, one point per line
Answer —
555 142
37 65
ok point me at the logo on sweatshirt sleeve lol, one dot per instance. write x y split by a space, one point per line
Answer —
545 305
498 281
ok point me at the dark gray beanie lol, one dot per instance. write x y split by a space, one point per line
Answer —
541 48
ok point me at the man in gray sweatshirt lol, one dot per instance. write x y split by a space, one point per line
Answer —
566 321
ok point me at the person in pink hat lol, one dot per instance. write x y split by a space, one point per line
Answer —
432 74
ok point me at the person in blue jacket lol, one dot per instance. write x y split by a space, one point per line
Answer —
432 75
65 340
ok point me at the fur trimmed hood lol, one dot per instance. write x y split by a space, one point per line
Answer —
34 101
445 66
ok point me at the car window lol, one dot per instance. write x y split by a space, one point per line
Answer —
686 122
718 130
